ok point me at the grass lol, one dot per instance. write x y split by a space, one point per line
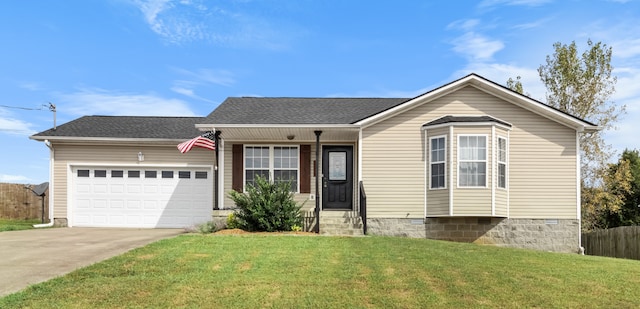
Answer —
16 225
261 271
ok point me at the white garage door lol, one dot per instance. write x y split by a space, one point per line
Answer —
141 197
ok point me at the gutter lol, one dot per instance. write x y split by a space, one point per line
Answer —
51 158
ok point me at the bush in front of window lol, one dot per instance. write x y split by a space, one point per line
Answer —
266 207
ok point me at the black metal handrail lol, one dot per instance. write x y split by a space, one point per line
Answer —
363 207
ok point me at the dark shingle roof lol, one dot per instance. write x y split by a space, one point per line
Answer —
450 119
127 127
252 110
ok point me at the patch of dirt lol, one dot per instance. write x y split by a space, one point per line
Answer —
242 232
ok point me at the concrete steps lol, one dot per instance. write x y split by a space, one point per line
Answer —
340 223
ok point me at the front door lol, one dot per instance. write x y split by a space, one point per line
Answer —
337 181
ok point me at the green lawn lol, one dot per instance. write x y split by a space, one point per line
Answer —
16 225
259 271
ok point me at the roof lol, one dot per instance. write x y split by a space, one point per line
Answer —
255 110
465 119
126 127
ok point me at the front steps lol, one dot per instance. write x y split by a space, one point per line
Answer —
340 223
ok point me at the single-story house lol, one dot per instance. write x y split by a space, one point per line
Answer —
468 161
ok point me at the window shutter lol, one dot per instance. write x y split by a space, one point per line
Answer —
305 168
237 167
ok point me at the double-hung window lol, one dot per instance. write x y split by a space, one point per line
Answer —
502 162
275 163
437 159
472 161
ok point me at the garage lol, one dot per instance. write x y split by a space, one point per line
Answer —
140 197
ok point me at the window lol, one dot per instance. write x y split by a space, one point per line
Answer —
437 159
167 174
99 173
150 174
133 174
472 161
277 163
83 173
256 163
117 174
201 175
285 165
184 174
502 162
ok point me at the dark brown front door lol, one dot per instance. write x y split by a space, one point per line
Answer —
337 181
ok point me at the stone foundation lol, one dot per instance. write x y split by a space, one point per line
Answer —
557 235
60 222
219 217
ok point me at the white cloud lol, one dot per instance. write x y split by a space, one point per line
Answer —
14 179
208 76
191 20
103 102
476 46
15 126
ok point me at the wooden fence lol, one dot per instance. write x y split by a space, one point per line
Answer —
619 242
17 202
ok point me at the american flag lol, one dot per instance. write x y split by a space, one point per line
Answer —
203 141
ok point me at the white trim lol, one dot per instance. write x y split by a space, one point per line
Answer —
486 162
493 170
271 167
451 139
359 158
303 126
444 161
52 195
578 193
107 139
426 163
220 193
505 162
508 168
468 124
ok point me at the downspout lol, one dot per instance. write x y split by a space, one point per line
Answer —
51 184
317 209
216 200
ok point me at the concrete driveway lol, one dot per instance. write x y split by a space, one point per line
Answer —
32 256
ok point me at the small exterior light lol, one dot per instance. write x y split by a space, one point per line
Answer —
290 137
140 156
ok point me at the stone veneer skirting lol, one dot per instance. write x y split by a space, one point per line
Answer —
557 235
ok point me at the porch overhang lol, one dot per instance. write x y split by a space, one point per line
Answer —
283 132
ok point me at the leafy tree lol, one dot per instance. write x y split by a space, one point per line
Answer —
582 85
515 85
629 213
603 205
267 206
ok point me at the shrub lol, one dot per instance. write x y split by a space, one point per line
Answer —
207 227
267 207
232 222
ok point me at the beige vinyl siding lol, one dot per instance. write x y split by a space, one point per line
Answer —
300 198
472 201
438 199
542 158
117 155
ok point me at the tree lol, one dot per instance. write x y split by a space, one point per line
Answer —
582 85
515 85
629 213
603 205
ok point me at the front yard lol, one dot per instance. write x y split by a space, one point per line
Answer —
263 271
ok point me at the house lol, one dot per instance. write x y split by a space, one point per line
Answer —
469 161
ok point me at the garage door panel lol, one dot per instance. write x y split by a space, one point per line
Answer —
139 201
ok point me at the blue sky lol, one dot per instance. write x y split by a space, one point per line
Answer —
184 57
